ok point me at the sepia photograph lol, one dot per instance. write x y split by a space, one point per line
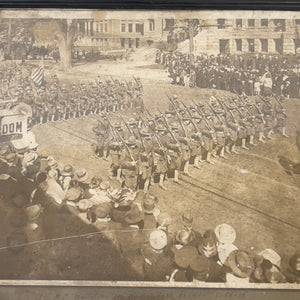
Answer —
150 148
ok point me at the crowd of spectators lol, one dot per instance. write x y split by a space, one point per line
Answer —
36 186
235 73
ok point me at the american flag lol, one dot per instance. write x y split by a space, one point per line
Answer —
37 75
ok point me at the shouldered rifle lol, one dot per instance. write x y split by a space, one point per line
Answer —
191 117
153 132
278 101
201 114
128 127
167 126
244 103
218 117
260 112
112 129
126 147
135 80
231 113
178 116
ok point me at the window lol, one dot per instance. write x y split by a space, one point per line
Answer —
264 45
251 22
251 45
239 23
279 25
297 21
238 43
130 27
97 27
221 23
169 24
101 27
137 27
264 22
105 26
123 27
151 25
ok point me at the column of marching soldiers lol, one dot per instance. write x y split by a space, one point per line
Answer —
147 148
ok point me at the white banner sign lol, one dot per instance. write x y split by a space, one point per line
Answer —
12 127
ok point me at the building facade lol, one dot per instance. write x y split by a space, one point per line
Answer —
122 34
273 36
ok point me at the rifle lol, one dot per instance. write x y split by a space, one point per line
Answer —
167 126
126 147
280 104
153 132
244 103
128 127
218 117
260 112
112 130
231 113
179 119
191 117
201 114
135 80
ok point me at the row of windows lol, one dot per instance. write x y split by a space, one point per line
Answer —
138 26
101 26
279 23
264 43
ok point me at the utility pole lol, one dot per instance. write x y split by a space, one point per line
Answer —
191 40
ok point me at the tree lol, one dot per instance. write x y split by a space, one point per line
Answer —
64 32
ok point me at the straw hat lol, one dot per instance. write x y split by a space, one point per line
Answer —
158 239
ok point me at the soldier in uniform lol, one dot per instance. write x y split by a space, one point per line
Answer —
129 162
102 131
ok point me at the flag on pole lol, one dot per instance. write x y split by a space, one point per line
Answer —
37 75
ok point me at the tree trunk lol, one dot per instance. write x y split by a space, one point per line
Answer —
65 45
65 55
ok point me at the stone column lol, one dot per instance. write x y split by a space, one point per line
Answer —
271 44
288 46
257 45
245 45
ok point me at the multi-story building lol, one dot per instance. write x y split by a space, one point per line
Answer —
280 36
121 34
238 35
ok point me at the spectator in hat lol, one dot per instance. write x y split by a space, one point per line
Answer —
202 269
150 211
292 268
183 258
157 265
208 245
241 267
66 177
